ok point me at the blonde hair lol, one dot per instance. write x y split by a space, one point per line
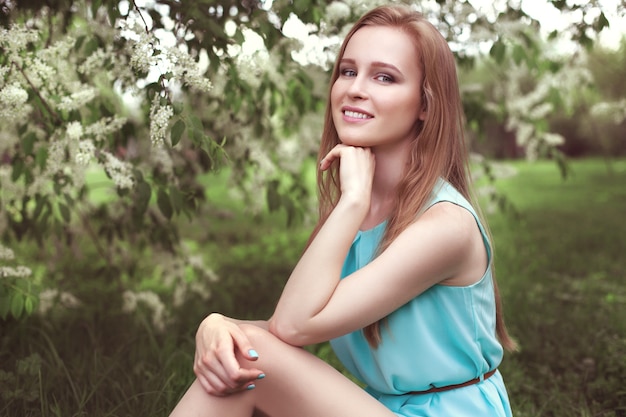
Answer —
439 148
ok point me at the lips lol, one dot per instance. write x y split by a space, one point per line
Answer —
356 114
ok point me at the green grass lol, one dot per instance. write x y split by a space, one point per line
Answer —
560 264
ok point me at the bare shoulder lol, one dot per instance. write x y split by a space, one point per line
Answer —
449 218
455 232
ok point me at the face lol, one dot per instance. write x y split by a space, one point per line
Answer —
376 101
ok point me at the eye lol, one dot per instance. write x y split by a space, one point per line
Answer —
385 78
347 72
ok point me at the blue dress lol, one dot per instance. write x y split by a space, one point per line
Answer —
444 336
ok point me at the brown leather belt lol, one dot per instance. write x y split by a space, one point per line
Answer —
455 386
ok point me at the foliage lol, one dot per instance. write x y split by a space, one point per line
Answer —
148 97
560 265
565 309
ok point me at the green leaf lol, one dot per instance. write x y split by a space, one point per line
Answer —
176 198
91 46
177 131
164 203
5 305
65 212
39 206
41 158
17 305
18 169
519 54
601 23
498 51
144 192
28 143
29 305
273 196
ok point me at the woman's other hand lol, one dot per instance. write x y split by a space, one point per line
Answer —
216 365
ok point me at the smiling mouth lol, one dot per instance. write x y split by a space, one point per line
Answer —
356 115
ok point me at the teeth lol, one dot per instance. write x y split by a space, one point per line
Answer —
356 115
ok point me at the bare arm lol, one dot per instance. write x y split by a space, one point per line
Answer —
316 305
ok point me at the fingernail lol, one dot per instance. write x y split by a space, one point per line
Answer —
260 376
253 353
251 386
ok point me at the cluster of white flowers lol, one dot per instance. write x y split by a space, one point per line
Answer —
18 271
74 131
78 99
143 56
105 126
150 53
614 111
6 254
186 273
120 172
152 301
336 12
525 110
93 63
187 70
50 298
86 151
13 104
15 39
160 116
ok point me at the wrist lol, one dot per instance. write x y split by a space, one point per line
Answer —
354 203
214 317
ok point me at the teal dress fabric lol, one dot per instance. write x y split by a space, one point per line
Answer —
444 336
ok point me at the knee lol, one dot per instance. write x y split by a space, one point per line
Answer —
255 333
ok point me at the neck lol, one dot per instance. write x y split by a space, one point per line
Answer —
390 168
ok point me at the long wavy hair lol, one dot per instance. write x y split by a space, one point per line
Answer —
439 148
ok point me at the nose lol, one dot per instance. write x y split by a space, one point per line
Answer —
357 88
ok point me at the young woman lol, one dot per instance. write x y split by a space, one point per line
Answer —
398 272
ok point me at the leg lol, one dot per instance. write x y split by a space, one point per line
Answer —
297 383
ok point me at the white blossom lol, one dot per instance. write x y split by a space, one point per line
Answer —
52 297
120 172
58 50
337 11
143 51
15 39
74 130
18 271
105 126
93 63
77 99
47 298
13 106
187 70
159 121
85 152
6 253
615 112
151 300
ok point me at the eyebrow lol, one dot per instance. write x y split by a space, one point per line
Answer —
374 64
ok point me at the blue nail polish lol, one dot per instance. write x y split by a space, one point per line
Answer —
251 386
260 376
253 353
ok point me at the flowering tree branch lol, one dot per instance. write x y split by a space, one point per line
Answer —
51 112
